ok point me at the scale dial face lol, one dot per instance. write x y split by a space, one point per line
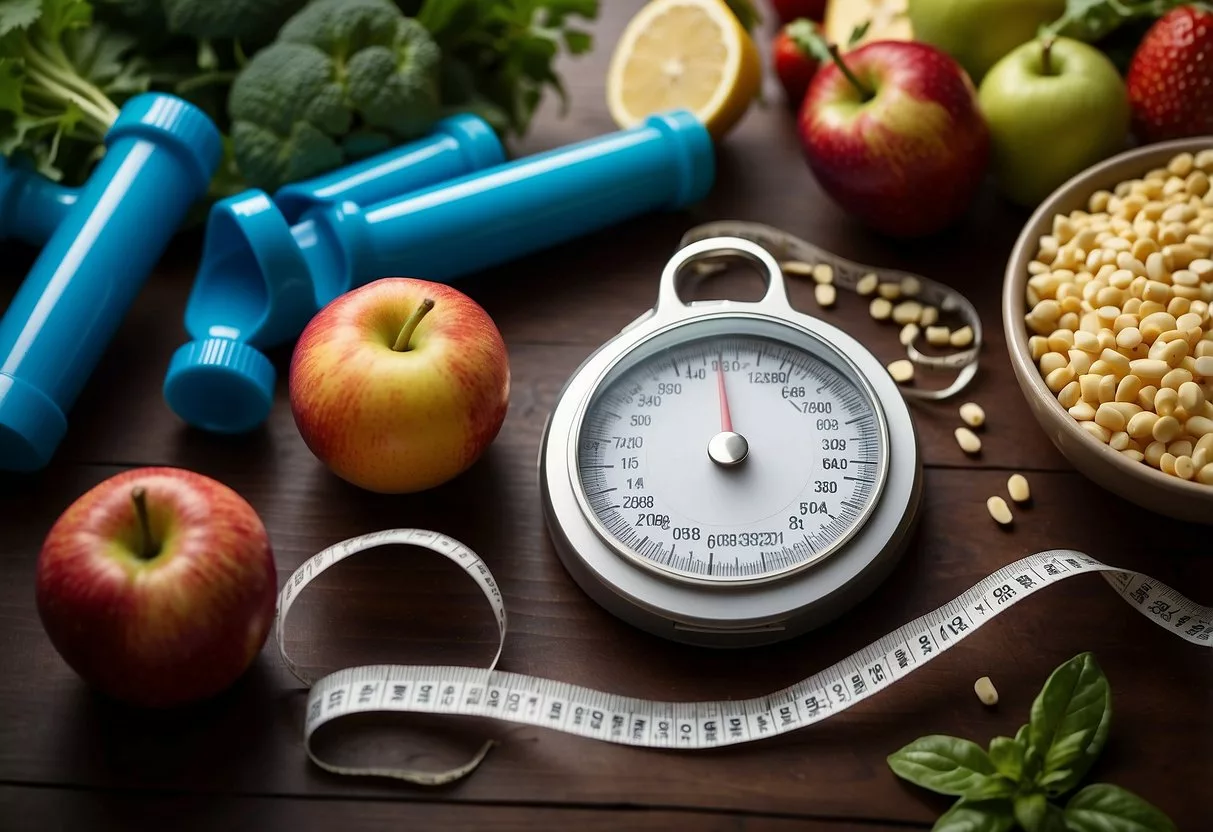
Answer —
730 458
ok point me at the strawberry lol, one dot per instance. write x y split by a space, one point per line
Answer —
1170 78
795 62
789 10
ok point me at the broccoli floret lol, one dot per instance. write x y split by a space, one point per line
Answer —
219 19
288 113
340 69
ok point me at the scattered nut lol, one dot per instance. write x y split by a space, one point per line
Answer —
880 309
889 291
985 691
825 294
968 441
938 336
907 335
823 273
972 414
961 337
1017 487
910 286
902 371
867 284
907 312
797 267
999 510
930 315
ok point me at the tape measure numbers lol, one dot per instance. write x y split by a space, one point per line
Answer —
572 709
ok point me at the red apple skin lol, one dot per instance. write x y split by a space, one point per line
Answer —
909 161
177 628
399 422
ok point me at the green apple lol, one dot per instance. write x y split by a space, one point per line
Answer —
1054 108
979 32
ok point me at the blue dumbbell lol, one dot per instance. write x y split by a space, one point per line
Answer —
261 280
160 155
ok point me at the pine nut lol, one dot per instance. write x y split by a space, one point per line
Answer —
867 284
1017 487
880 309
983 687
823 274
929 316
999 510
968 441
907 335
825 294
907 312
902 371
889 291
797 267
961 337
972 414
938 336
910 286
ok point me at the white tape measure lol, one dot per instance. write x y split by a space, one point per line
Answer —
730 474
545 703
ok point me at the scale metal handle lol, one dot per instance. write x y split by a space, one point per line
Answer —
716 247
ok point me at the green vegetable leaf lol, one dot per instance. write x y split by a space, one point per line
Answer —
983 816
59 16
19 15
1007 756
1069 723
746 13
1034 813
1093 20
858 33
1105 808
948 765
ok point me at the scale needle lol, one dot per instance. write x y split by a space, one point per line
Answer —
726 419
726 448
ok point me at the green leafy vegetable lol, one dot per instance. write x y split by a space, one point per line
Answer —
1105 808
1069 723
61 82
344 77
1093 20
943 764
1007 756
983 816
1048 757
498 56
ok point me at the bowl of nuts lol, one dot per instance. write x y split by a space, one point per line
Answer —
1108 311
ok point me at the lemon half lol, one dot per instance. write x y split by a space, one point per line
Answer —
684 54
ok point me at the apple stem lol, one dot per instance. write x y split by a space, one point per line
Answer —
406 331
867 94
1046 55
148 547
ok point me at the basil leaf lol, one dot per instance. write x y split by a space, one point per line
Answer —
1069 723
992 787
1105 808
1035 814
1007 756
979 816
948 765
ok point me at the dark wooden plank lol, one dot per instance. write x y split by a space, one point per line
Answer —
54 809
385 607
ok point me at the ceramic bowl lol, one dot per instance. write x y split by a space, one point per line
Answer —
1135 481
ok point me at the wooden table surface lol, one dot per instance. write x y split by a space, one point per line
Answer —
70 759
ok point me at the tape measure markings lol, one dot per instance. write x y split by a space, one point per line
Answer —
625 720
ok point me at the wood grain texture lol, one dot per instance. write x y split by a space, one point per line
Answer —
65 810
237 761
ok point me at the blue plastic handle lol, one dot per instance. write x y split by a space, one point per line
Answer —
31 206
160 155
457 145
261 280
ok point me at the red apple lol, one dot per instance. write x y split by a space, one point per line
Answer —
157 586
400 385
895 136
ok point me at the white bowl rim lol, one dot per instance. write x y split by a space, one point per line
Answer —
1016 332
